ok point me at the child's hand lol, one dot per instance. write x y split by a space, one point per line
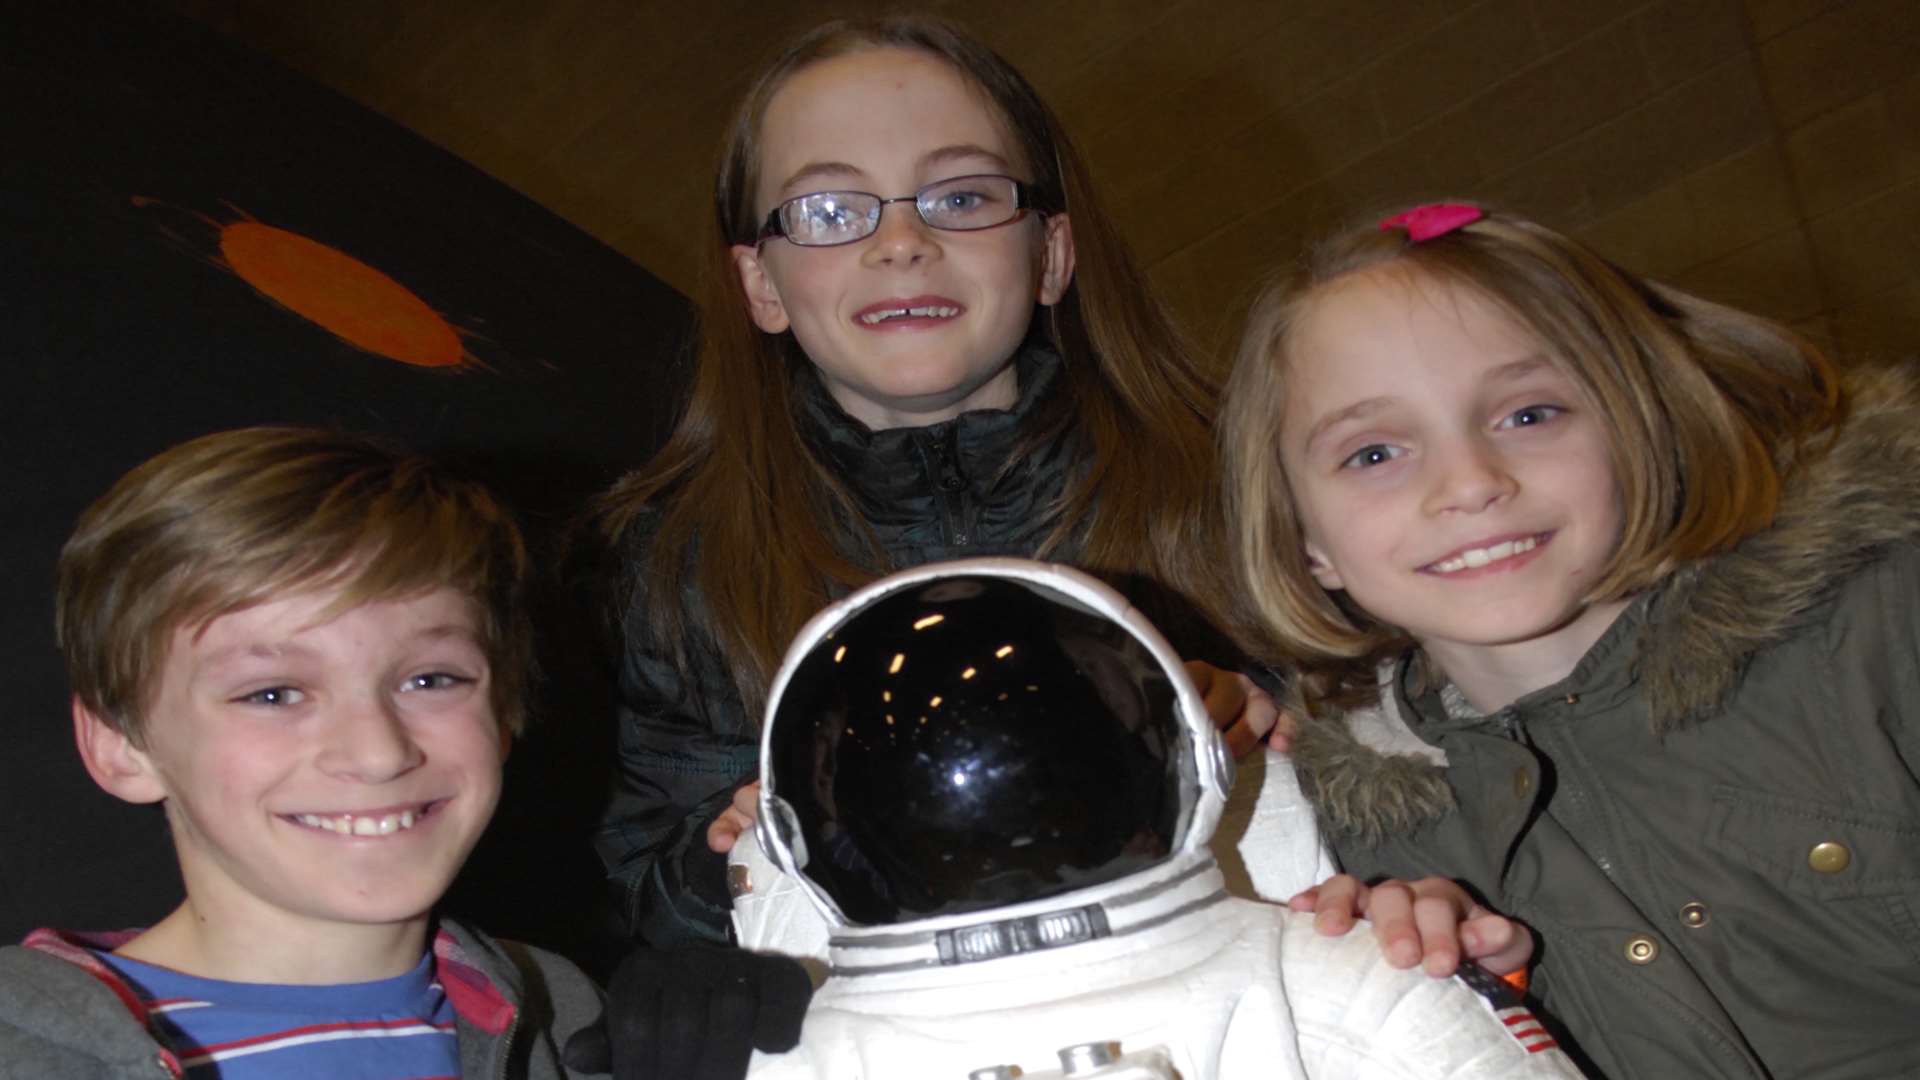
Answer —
1245 713
1432 920
735 820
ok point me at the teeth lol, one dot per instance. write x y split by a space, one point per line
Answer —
930 311
1474 558
357 825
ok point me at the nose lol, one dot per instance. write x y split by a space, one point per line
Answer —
368 741
1469 476
901 238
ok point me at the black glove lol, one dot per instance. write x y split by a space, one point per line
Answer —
693 1014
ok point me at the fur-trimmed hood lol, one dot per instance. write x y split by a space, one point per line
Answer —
1841 506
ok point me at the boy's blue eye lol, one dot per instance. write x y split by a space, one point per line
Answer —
436 680
274 696
1370 455
1531 415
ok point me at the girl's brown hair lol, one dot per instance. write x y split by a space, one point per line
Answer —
1705 407
737 485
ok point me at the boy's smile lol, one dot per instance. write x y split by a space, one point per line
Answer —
322 771
1450 478
366 823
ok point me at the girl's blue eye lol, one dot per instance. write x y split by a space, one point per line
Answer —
436 680
274 696
1368 456
1531 415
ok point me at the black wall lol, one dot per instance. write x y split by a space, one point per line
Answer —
128 139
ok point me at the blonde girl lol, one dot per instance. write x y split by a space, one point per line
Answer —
1606 602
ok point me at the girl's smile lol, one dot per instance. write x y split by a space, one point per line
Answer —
1450 478
1493 557
917 313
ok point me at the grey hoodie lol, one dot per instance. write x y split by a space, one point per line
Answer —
63 1014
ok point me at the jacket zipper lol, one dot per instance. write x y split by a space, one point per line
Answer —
506 1044
949 488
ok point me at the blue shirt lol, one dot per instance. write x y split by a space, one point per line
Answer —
391 1029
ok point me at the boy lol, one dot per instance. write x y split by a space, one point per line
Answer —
308 647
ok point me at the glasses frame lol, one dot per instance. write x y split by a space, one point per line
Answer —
1022 205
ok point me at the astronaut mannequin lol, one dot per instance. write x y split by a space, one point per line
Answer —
995 783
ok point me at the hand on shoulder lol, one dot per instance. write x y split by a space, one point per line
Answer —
1432 922
1245 714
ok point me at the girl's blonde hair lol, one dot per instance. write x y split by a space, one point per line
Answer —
1704 406
738 486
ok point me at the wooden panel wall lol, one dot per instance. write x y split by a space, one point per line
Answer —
1764 152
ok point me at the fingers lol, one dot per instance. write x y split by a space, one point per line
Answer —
1284 727
1260 714
1421 922
1496 942
747 800
726 830
1243 712
1390 907
1336 904
1433 923
1437 921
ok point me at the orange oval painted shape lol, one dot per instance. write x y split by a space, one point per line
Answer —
341 294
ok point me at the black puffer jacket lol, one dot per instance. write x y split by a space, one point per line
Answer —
929 493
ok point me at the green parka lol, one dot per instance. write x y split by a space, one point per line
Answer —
1713 824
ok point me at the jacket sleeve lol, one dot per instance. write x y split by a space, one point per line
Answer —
684 745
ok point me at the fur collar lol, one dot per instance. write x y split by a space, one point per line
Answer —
1840 507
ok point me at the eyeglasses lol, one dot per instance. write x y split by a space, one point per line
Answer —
962 204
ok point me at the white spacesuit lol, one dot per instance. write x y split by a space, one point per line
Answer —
995 783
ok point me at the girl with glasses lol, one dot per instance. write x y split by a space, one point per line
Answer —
924 341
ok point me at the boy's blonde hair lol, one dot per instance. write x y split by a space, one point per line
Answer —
239 518
1704 408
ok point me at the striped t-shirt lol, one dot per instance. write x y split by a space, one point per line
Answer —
400 1028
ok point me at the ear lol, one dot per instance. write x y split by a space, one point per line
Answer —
1056 259
119 767
763 300
1323 571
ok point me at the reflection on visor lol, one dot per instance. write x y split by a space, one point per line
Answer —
975 741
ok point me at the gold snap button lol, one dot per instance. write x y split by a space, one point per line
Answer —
739 881
1573 699
1642 949
1694 915
1522 782
1830 857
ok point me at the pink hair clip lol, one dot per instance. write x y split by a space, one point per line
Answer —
1434 219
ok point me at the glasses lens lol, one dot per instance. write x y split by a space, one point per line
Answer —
969 202
825 218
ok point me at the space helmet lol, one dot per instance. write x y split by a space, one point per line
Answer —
970 735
